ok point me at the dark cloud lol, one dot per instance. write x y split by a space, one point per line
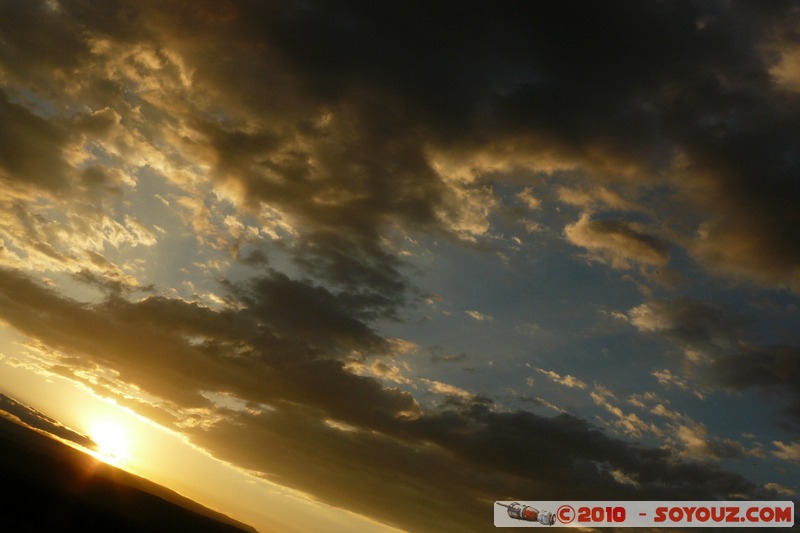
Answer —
753 172
237 353
338 114
643 83
32 148
297 309
34 419
773 370
344 438
414 474
691 322
357 265
716 338
408 484
27 51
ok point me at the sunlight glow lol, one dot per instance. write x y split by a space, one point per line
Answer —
112 441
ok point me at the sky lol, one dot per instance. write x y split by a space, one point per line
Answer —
379 265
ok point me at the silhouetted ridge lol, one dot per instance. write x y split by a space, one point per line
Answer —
50 487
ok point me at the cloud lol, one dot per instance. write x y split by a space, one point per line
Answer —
751 250
447 389
323 152
528 199
181 354
33 156
437 356
380 369
693 323
693 441
628 423
352 157
299 309
771 369
780 489
668 379
619 243
34 419
714 339
589 200
689 438
304 157
786 71
480 317
743 183
130 338
400 475
30 55
788 452
567 381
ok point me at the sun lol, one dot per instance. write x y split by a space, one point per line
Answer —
112 441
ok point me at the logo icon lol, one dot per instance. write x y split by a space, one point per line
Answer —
529 514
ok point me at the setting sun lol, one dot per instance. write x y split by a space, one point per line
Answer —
112 441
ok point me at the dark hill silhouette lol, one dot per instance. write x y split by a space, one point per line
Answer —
51 487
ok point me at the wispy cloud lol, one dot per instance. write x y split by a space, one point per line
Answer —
619 243
477 315
567 381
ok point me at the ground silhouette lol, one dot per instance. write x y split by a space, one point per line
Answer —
51 487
